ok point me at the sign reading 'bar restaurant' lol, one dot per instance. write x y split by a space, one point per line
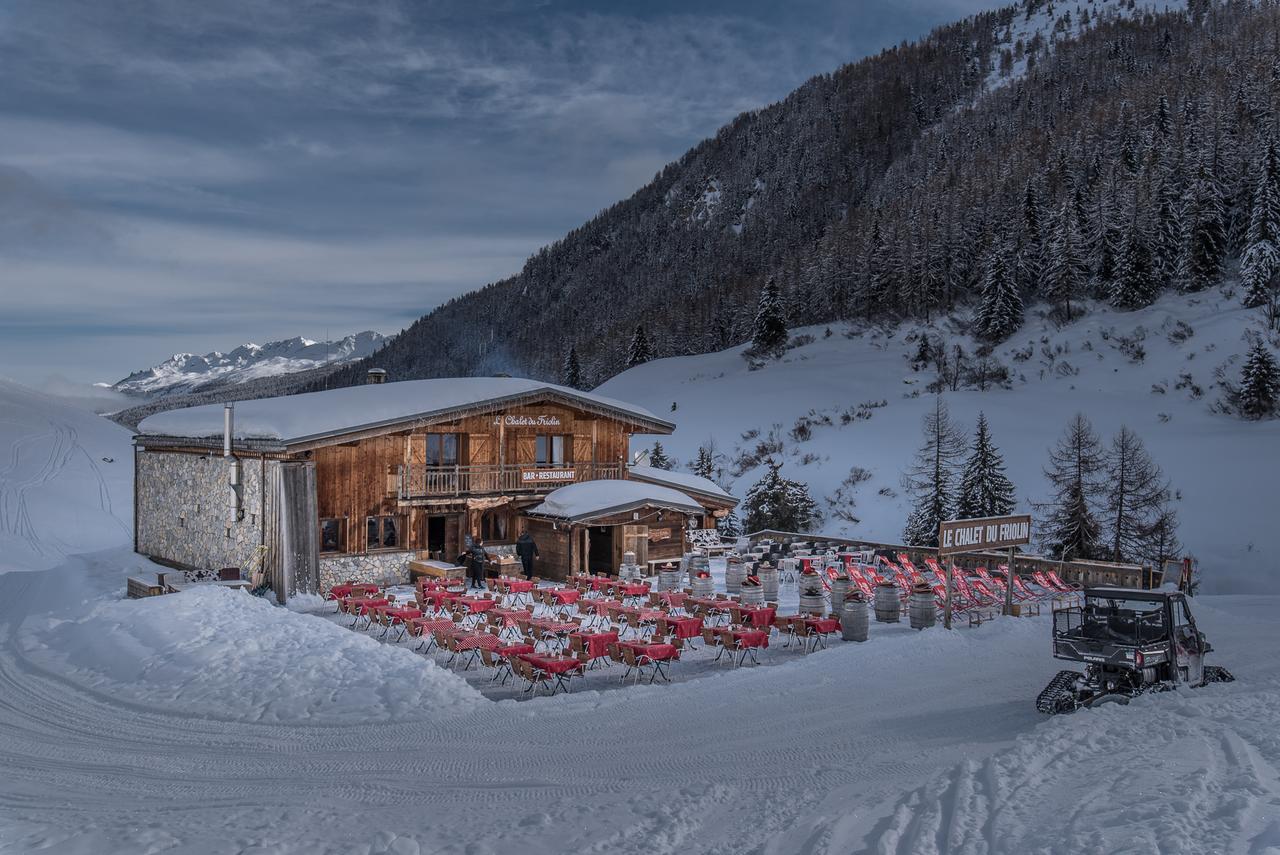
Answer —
543 476
982 534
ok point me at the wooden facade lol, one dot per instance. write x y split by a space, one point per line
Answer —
423 485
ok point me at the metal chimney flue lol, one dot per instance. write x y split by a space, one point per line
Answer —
228 425
233 463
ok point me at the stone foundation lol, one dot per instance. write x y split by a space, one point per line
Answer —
378 568
187 514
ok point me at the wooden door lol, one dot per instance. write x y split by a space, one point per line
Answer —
635 538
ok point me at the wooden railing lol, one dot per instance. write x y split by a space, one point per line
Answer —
420 481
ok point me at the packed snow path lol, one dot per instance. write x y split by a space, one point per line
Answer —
909 743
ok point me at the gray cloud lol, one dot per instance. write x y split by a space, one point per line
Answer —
198 174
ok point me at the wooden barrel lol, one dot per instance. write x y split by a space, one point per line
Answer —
752 595
812 597
769 580
839 589
734 573
702 587
698 564
669 578
922 607
888 607
854 620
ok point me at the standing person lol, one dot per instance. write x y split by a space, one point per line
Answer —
527 550
476 558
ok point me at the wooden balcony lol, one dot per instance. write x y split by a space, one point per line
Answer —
428 482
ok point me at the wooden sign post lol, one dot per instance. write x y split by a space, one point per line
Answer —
976 535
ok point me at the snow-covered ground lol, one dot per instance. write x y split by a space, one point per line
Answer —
210 722
1224 470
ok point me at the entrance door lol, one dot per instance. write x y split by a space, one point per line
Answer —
435 536
600 550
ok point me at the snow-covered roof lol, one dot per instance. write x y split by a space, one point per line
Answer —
593 499
292 419
682 481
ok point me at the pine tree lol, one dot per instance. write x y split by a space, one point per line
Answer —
778 503
1260 263
769 332
1134 285
931 478
924 352
704 464
1136 501
640 351
1070 529
1064 278
729 526
985 491
658 458
1168 231
1000 312
571 375
1206 233
1031 260
1259 393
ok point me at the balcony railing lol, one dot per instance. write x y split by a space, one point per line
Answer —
419 481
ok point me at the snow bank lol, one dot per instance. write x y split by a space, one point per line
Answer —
224 654
66 480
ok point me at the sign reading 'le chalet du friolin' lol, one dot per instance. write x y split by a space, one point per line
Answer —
542 476
528 421
988 533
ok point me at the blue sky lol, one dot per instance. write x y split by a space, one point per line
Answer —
188 175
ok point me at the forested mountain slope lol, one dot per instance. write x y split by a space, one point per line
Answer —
1040 152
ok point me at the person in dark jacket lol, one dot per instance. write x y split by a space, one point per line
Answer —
476 558
527 550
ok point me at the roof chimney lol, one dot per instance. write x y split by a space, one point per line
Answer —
375 375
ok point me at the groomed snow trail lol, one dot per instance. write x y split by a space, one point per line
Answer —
812 756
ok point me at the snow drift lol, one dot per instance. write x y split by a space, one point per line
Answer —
219 653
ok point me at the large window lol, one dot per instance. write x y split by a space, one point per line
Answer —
554 450
442 449
333 535
384 533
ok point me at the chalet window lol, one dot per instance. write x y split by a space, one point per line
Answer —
333 535
553 449
383 533
442 449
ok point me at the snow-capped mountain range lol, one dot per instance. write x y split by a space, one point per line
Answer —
188 372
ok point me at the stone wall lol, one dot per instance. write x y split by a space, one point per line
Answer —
379 568
186 515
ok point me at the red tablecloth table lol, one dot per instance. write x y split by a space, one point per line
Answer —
478 641
367 607
556 626
597 643
825 625
510 650
634 589
439 596
758 617
558 666
510 617
337 592
518 586
744 638
674 598
566 596
400 615
687 627
599 582
476 605
656 652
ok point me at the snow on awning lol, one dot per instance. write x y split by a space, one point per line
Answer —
682 481
594 499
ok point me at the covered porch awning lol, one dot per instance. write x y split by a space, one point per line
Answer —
592 500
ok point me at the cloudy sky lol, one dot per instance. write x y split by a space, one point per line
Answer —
188 175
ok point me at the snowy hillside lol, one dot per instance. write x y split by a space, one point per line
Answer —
188 372
66 480
859 403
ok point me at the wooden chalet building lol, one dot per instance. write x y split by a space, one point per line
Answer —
356 482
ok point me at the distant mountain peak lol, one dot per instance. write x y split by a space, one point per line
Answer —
188 372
